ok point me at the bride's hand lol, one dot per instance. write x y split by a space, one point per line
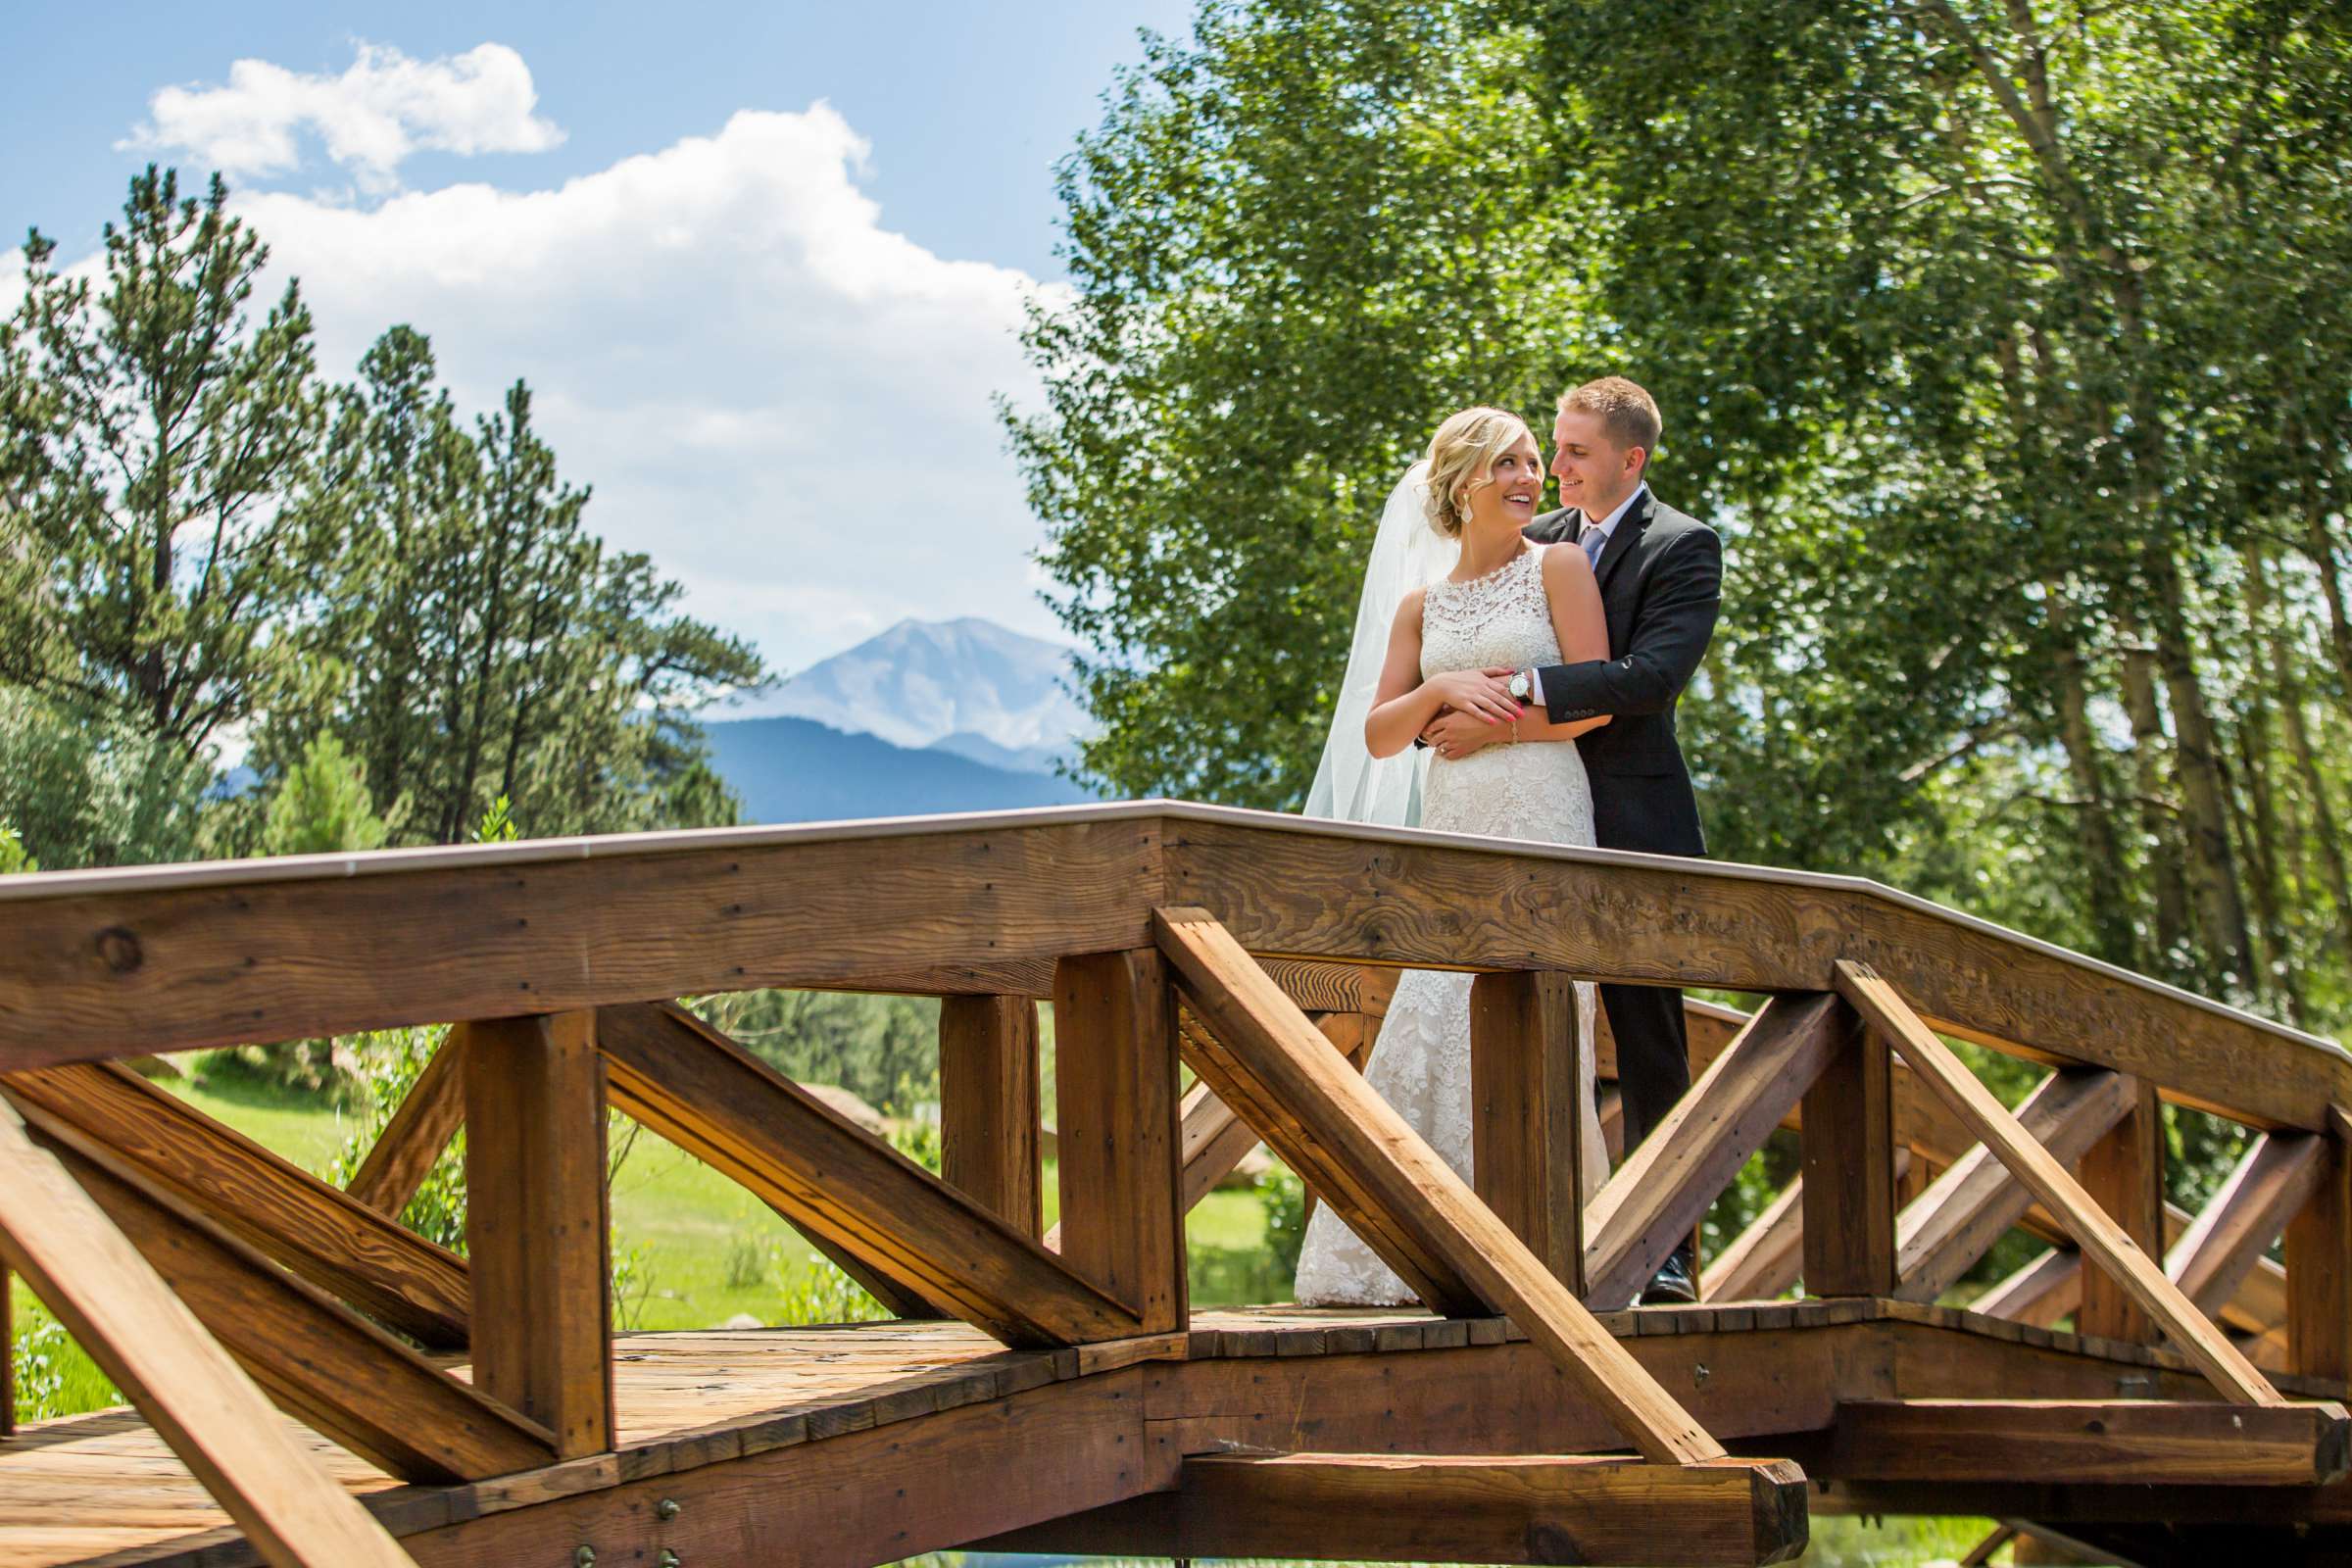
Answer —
1475 692
1455 735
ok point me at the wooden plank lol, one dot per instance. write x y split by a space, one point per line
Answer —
1333 987
974 1470
1848 1173
1660 1191
1765 1258
1116 1079
2319 1265
142 1336
2102 1240
701 1091
2271 1182
413 1141
1392 1507
332 1370
2040 1292
326 1236
2116 1442
1367 1156
1977 1198
326 945
1528 1158
2124 1174
537 1224
1423 900
990 1117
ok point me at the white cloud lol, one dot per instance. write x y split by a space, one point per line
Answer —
783 403
371 118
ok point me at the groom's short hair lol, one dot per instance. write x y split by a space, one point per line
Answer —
1629 414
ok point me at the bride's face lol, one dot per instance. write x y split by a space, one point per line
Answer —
1506 497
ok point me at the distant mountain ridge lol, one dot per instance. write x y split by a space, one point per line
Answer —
967 686
788 769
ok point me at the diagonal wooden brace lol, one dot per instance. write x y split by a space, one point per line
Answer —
1407 1203
2102 1240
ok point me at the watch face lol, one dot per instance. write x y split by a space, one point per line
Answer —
1518 687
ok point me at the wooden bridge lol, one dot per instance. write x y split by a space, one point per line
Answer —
1055 1392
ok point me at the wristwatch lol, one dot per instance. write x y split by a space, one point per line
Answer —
1522 685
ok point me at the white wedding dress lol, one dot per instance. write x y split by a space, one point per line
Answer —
1535 790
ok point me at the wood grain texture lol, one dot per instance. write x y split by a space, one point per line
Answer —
2271 1182
2318 1263
1433 905
326 1236
694 1086
413 1141
2041 1291
990 1116
2102 1241
538 1224
319 1361
1940 1236
1400 1508
2113 1442
1116 1106
217 1423
1764 1259
1528 1158
1661 1189
2124 1174
472 934
1849 1169
1277 1060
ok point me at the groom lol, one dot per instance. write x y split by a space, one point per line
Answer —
1661 577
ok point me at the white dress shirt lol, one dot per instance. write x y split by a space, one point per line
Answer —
1608 530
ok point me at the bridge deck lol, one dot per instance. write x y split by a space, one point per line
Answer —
104 1489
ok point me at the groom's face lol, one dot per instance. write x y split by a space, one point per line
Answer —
1595 472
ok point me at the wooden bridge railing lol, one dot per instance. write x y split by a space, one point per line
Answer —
1243 944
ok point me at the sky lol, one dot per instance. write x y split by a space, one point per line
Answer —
762 265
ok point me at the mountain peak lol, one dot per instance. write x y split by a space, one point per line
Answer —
921 682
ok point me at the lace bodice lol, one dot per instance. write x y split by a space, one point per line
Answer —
1504 618
1534 790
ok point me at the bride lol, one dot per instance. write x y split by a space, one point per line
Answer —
1456 599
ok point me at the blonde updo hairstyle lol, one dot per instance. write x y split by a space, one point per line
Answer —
1461 460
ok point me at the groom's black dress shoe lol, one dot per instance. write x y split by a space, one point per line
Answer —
1672 1286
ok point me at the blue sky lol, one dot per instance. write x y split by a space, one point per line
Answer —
729 300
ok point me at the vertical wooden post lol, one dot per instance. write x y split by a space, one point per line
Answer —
2124 1174
1527 1133
1120 1132
2319 1265
988 1104
1848 1168
536 1224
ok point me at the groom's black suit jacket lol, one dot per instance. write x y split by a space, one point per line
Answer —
1661 582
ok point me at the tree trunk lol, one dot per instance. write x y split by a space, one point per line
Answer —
2094 824
2289 683
2204 785
2156 816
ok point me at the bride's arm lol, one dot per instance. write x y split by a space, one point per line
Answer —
1582 626
1406 702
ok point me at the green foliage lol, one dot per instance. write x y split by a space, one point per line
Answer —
150 431
322 806
480 642
1284 1195
14 856
84 789
1298 245
884 1050
54 1375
